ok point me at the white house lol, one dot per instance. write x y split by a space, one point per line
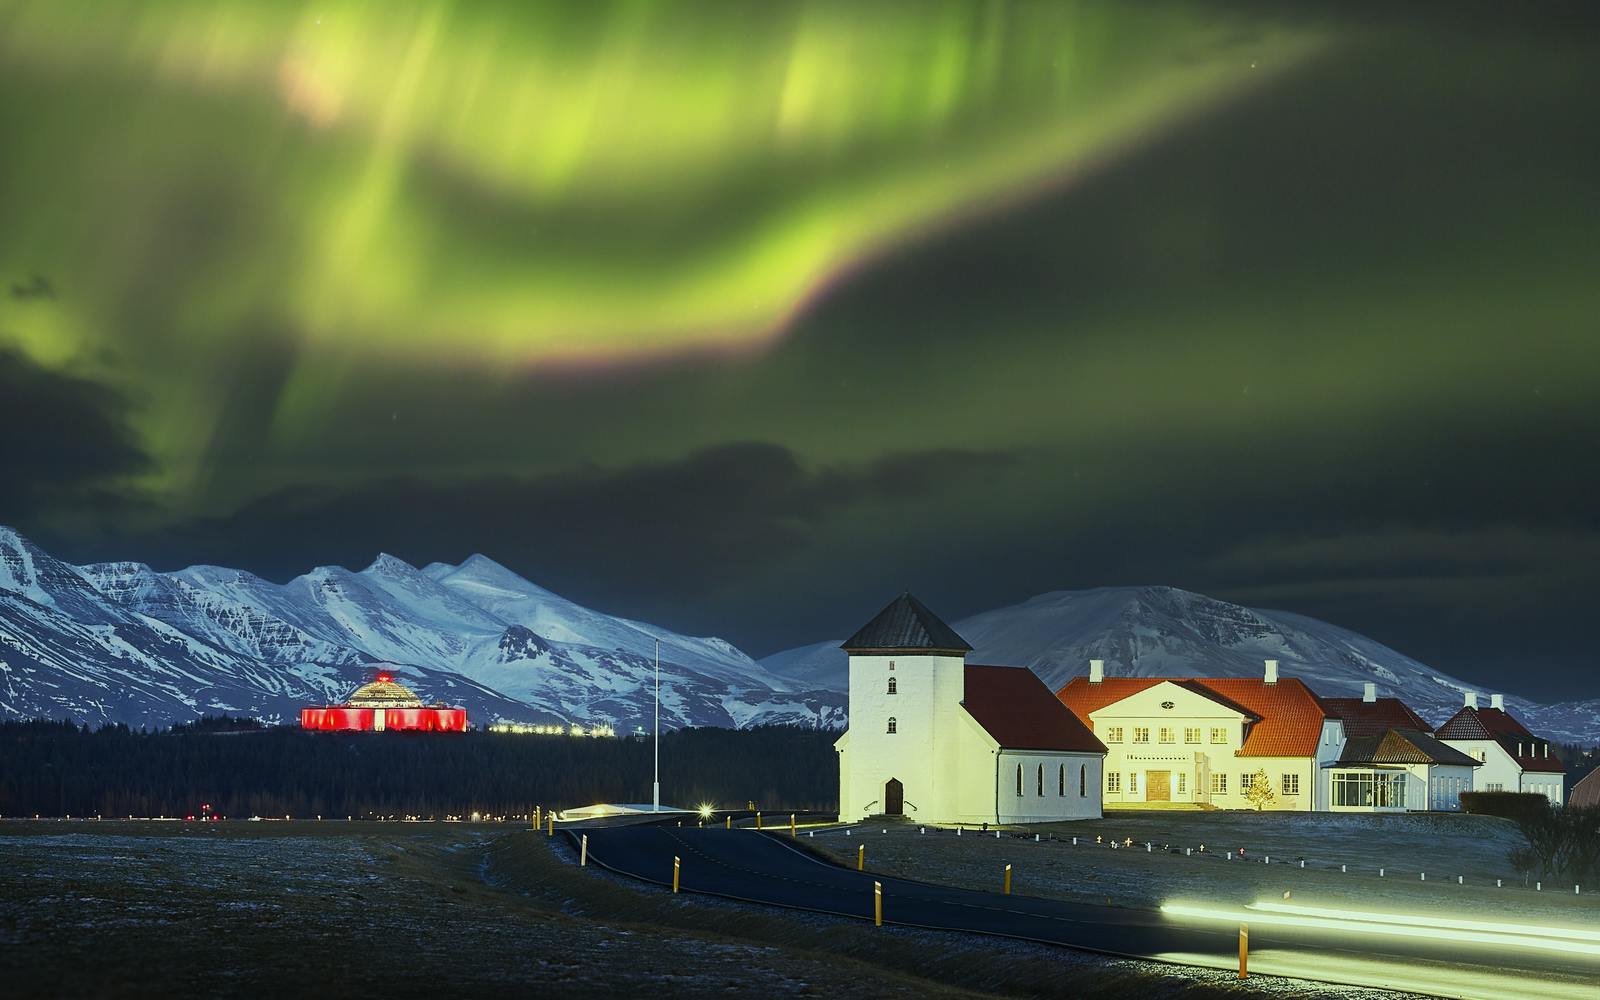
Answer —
1202 740
939 740
1390 761
1511 758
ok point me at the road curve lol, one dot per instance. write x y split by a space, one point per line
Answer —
768 868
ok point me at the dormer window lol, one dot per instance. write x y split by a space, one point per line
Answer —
891 685
891 724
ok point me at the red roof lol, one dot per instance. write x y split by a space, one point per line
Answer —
1013 705
1281 720
1586 793
1529 751
1373 718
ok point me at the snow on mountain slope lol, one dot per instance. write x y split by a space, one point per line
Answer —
1162 631
512 598
122 642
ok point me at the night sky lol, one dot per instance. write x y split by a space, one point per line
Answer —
743 317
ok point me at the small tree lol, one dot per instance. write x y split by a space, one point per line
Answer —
1258 792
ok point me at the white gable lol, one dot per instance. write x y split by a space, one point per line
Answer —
1166 700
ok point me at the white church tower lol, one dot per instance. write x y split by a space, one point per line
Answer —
907 680
936 739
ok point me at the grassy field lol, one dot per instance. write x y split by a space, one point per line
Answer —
129 908
1443 846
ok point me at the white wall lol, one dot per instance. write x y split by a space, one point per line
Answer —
1030 806
925 747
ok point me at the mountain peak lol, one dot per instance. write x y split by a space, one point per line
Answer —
393 565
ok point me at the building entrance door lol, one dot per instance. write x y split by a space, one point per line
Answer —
894 798
1158 786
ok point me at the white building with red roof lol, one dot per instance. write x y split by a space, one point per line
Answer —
1391 761
1511 758
1204 740
939 740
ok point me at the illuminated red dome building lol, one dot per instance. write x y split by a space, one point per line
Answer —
385 705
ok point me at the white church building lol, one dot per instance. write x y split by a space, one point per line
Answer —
939 740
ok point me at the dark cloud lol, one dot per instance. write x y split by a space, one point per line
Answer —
63 439
658 534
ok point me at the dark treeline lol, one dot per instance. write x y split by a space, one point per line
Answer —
242 769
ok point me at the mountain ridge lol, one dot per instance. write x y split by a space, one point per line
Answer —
122 642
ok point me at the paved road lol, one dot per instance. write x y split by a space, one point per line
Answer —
768 868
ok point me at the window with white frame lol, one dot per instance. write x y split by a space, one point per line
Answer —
1219 734
1219 783
1133 782
1191 734
892 725
1141 734
1291 784
1114 781
1166 734
1114 734
892 686
1183 783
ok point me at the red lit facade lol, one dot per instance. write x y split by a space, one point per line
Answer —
383 705
427 720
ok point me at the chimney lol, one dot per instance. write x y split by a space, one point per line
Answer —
1497 701
1097 671
1472 699
1272 672
1369 693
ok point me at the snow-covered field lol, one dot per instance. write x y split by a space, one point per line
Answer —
1441 846
116 909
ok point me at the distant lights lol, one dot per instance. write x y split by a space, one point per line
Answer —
705 810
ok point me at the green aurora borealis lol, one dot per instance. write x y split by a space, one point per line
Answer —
739 315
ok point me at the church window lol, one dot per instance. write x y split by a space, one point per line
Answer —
891 685
1061 780
1019 780
891 724
891 664
1038 787
1083 780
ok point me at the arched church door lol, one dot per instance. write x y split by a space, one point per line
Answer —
894 798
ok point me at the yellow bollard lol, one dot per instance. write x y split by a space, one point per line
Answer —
583 851
675 865
1008 880
791 824
550 818
1244 951
861 858
877 903
758 820
730 822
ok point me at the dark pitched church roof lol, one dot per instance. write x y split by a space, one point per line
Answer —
1401 746
1016 708
906 625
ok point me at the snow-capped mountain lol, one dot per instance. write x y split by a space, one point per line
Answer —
122 642
1162 631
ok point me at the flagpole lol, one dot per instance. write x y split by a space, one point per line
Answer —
655 792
